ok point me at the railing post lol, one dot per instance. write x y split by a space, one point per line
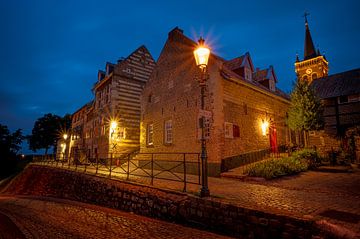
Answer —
152 168
97 165
86 159
184 173
128 167
111 157
199 176
76 163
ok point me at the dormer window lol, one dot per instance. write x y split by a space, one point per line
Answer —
248 74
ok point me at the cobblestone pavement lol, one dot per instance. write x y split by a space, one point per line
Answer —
53 218
308 194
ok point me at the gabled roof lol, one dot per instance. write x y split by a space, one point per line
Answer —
341 84
239 62
264 74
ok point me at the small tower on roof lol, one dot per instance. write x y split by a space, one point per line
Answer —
314 65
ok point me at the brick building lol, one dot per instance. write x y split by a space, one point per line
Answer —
110 123
239 102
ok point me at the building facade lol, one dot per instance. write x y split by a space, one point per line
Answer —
239 102
110 124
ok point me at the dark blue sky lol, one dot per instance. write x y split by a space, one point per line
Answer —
51 50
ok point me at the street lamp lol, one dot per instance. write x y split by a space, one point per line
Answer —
65 136
201 54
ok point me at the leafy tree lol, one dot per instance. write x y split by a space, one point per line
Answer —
9 146
305 111
9 142
45 132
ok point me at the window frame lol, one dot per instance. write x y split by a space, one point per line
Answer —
150 140
168 132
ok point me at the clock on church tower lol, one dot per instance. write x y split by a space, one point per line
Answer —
314 65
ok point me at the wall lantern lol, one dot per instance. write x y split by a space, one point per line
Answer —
202 54
65 136
264 127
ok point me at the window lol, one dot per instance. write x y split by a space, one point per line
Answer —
168 135
150 134
228 130
122 133
272 85
248 75
343 99
236 131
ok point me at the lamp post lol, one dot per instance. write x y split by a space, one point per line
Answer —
65 136
201 54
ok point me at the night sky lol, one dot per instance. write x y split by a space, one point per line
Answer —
51 50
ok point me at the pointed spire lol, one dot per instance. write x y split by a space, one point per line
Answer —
309 49
297 57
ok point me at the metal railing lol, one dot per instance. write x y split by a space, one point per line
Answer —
143 167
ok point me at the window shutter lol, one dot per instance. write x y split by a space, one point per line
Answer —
236 131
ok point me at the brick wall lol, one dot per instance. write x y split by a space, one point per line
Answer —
211 214
247 108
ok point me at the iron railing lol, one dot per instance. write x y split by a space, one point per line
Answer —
175 167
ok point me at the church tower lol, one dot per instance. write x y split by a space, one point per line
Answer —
314 65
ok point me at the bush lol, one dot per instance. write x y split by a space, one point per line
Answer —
311 156
274 168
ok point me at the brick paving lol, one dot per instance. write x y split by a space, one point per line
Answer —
54 218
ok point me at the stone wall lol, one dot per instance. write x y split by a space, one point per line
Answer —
211 214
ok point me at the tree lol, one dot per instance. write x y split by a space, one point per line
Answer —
9 142
305 112
45 132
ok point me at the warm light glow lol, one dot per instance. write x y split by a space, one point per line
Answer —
113 126
202 54
65 136
264 127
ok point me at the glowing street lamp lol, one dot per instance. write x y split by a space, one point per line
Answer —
201 54
65 136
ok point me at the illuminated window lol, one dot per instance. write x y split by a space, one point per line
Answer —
168 135
150 134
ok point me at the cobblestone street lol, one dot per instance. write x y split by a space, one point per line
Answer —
30 217
308 194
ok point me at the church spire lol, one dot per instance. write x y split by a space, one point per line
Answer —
309 49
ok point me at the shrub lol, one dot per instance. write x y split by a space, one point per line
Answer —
311 156
274 168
